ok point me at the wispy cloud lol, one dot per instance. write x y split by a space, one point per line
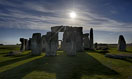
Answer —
31 15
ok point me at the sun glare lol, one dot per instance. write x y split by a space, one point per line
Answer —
73 15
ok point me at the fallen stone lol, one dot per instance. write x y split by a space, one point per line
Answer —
13 53
119 56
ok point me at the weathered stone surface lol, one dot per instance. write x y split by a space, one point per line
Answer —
29 44
86 41
91 39
69 41
78 38
69 33
43 43
73 41
51 43
121 43
22 48
36 45
59 28
26 44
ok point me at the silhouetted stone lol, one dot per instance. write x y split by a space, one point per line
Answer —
43 43
96 45
36 45
73 41
1 44
86 41
69 41
29 44
91 38
51 43
78 38
22 48
73 34
58 28
26 44
121 43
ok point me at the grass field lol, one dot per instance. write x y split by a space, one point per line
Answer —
86 65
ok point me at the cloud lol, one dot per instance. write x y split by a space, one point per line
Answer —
33 15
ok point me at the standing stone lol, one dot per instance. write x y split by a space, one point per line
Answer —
36 44
58 28
86 41
69 41
121 43
26 44
29 44
96 45
91 38
51 43
22 48
79 38
43 43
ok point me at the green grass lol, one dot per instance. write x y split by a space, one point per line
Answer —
86 65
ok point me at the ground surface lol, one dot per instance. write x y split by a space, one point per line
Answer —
86 65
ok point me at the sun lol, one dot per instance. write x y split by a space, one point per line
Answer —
73 15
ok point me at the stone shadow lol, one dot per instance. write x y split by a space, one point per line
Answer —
3 53
128 51
64 67
22 57
127 60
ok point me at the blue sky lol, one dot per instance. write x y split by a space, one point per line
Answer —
108 18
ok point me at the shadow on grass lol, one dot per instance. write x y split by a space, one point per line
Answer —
128 60
129 51
4 52
64 67
22 57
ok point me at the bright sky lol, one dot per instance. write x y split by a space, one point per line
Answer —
108 18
